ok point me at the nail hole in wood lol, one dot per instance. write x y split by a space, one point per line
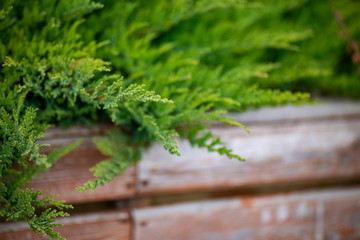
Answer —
129 185
123 221
145 183
143 224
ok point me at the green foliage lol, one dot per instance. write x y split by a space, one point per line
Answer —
322 62
116 147
159 70
20 160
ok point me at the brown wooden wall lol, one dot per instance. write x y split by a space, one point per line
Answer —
301 180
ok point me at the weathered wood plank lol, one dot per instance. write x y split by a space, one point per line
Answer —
311 215
314 149
327 109
76 132
307 143
95 226
72 171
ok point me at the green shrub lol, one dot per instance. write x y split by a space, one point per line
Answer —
157 69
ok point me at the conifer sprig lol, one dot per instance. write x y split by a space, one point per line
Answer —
159 70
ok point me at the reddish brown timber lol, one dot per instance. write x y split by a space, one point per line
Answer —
320 146
310 215
94 226
72 171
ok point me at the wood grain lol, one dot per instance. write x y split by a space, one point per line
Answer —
325 109
96 226
72 171
323 146
310 215
287 145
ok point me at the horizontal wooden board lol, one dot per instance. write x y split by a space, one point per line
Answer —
72 171
287 144
95 226
76 131
325 109
317 148
311 215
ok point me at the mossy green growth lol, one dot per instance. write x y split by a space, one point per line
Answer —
159 70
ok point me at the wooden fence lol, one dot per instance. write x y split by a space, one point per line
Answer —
301 180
